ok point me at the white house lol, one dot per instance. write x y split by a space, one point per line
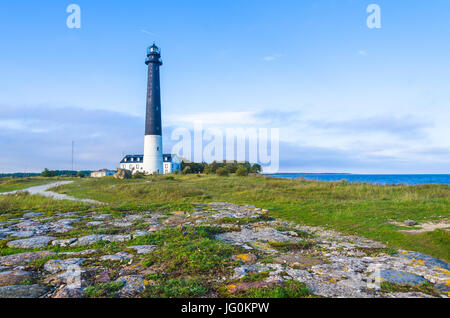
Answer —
102 173
135 163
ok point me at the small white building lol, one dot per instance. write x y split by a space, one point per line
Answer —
102 173
135 163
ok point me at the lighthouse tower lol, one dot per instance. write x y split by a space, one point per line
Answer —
153 152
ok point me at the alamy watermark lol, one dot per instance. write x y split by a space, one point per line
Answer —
255 145
374 19
74 19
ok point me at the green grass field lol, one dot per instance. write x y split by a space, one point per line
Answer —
361 209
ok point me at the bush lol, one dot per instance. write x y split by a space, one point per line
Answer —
223 172
209 169
80 175
138 175
242 172
186 170
176 172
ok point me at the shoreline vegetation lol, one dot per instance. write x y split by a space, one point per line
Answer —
351 208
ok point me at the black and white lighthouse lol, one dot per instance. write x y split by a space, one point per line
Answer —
153 155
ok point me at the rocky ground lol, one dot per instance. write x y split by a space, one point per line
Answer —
82 254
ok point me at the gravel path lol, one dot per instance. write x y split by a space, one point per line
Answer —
43 190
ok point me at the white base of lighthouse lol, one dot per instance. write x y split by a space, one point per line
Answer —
153 156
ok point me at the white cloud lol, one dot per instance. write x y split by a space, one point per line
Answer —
271 58
363 52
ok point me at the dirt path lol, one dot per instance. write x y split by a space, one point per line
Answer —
43 190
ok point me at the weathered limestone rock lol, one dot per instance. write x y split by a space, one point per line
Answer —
56 265
133 285
246 258
23 258
428 260
411 222
249 234
13 277
34 242
397 277
23 291
143 249
245 270
244 286
121 256
67 292
32 215
88 240
64 243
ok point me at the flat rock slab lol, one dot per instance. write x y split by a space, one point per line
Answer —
72 293
427 260
23 291
57 265
244 286
34 242
92 239
298 261
133 285
23 258
245 270
143 249
121 256
81 253
399 278
13 277
246 258
32 215
248 235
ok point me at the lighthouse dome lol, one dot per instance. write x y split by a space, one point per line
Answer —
153 49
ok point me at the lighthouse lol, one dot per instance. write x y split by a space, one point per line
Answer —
153 152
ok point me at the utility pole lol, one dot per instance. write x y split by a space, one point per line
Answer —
73 143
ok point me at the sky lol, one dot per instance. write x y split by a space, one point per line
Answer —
345 97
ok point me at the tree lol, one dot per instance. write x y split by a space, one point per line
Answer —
256 168
80 175
48 174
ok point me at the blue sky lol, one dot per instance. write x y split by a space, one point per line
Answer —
345 97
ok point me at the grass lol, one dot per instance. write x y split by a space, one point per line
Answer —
191 252
13 184
105 290
287 289
177 288
425 288
358 209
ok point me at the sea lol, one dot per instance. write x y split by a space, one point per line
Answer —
381 179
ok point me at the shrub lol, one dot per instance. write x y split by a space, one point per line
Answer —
242 172
223 172
186 170
80 175
138 175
